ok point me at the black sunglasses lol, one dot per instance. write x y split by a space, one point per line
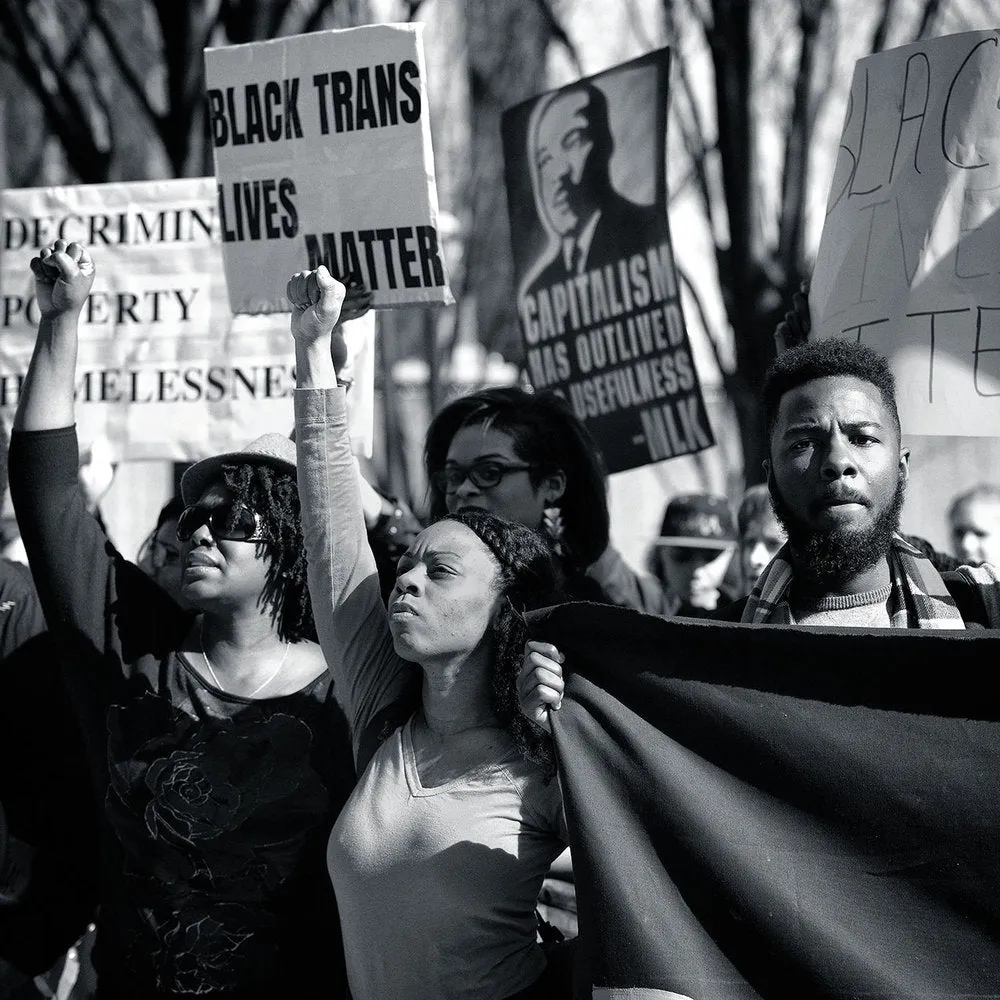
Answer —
482 475
236 524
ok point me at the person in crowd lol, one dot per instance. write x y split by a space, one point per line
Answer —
438 856
213 737
526 457
692 554
836 471
974 518
48 823
760 534
160 553
793 331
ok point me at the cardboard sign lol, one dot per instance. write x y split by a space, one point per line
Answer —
323 155
598 298
165 371
908 258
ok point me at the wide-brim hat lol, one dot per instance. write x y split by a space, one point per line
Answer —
268 449
698 521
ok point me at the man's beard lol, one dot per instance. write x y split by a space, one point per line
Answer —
827 559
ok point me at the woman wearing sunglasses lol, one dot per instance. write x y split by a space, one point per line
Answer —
438 857
213 737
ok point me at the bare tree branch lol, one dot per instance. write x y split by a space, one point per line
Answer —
413 9
689 119
65 112
131 78
882 28
558 33
701 14
315 19
635 20
729 40
699 306
791 221
927 19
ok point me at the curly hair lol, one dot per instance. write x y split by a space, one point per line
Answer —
821 359
546 433
527 580
274 495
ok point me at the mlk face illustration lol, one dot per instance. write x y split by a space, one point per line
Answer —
571 158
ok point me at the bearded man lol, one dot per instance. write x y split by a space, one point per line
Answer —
837 473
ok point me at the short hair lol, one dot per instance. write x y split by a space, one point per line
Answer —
273 494
754 506
990 492
822 359
528 580
595 111
546 433
598 121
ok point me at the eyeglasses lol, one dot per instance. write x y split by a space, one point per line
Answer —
482 475
226 521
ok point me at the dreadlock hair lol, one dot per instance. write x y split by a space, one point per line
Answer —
527 580
820 359
547 435
274 495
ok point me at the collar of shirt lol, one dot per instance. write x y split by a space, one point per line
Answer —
584 240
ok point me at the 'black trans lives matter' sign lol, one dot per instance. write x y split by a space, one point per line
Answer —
597 292
323 156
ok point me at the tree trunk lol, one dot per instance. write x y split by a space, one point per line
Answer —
507 43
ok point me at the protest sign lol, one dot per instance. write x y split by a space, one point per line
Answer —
323 155
598 298
165 371
908 258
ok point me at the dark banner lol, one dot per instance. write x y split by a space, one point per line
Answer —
762 812
597 298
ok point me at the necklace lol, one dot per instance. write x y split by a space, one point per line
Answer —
257 690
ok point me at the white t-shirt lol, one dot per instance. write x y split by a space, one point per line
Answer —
437 886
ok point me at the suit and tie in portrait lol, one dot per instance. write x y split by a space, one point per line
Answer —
589 223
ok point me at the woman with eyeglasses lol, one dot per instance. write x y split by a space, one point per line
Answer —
526 457
213 738
439 854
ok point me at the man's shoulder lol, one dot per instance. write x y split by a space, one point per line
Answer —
731 612
622 212
976 593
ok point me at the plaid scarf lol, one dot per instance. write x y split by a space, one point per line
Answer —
918 598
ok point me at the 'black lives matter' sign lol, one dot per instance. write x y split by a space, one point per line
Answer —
323 155
908 258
